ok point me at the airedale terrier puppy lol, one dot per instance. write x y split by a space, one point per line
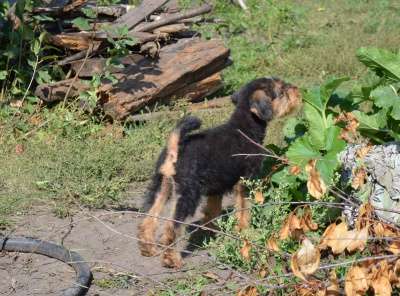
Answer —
204 163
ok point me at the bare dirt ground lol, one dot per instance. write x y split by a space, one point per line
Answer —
107 241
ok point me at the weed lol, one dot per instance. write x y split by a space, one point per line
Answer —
120 281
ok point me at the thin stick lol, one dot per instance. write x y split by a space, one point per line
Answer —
261 146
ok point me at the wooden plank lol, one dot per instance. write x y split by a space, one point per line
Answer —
135 16
178 65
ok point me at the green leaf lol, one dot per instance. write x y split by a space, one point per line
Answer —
331 85
301 151
82 23
3 75
283 176
327 165
89 12
383 62
386 97
289 129
43 77
375 121
319 96
333 143
36 47
396 111
316 124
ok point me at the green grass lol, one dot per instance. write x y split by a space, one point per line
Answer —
70 160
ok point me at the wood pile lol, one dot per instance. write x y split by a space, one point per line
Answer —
168 60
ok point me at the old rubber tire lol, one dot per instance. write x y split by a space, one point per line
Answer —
73 259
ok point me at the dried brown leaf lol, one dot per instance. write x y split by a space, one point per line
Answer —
379 230
380 280
363 151
356 283
272 245
263 272
359 241
365 213
245 250
333 289
306 260
294 170
359 178
248 291
306 222
211 275
291 227
335 237
315 185
394 247
259 197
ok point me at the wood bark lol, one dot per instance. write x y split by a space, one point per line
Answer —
73 41
54 92
73 5
98 65
200 89
146 27
135 16
178 65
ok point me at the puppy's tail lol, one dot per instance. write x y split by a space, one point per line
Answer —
185 126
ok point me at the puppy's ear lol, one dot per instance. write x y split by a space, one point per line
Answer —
261 105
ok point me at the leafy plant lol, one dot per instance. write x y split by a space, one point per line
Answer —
382 122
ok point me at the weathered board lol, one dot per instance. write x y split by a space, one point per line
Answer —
179 65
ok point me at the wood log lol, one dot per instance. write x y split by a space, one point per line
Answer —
178 65
73 41
74 57
112 10
97 65
82 40
54 92
171 29
148 27
200 89
141 37
73 5
206 106
135 16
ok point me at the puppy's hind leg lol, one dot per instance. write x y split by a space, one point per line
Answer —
186 205
147 229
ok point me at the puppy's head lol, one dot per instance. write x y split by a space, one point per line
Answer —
268 98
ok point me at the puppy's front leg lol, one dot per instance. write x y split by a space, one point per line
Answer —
242 207
212 210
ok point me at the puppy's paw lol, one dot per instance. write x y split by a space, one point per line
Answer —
148 249
171 259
